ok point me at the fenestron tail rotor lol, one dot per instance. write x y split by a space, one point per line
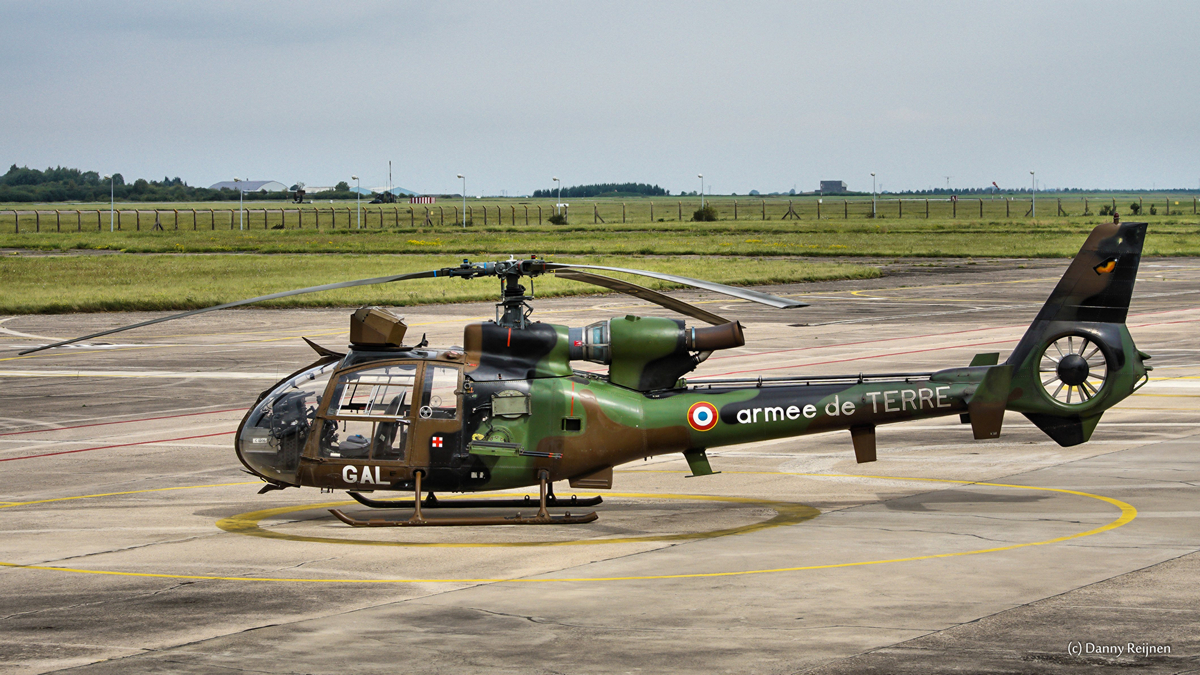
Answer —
1074 369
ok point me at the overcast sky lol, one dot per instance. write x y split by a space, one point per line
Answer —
754 95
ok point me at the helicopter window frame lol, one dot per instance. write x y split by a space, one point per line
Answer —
428 379
333 413
337 407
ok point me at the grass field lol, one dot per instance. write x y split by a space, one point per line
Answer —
506 230
173 282
1169 236
761 250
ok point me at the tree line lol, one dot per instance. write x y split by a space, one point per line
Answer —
62 184
603 190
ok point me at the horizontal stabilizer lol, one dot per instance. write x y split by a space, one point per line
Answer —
986 359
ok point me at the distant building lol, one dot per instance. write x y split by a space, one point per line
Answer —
833 186
398 191
250 186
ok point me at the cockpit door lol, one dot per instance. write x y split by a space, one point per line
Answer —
366 420
437 421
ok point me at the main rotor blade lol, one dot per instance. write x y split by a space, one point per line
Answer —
744 294
261 298
644 293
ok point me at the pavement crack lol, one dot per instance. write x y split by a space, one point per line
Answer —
124 549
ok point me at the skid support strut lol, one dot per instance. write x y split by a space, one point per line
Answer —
543 517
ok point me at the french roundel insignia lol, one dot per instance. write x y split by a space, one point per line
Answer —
702 416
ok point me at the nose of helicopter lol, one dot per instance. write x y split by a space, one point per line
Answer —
270 440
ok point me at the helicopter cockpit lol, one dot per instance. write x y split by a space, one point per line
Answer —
274 434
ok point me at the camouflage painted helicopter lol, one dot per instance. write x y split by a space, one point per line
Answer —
507 410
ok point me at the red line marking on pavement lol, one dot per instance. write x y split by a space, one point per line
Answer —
120 445
100 424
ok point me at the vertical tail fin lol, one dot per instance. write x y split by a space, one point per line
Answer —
1077 358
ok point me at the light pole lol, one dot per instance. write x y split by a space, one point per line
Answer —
559 200
111 200
1033 196
872 194
357 199
464 180
701 177
241 221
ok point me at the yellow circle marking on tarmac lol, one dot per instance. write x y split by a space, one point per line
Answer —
1128 513
787 513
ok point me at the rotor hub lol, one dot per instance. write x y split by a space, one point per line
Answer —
1073 369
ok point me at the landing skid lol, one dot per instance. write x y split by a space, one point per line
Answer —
546 499
432 502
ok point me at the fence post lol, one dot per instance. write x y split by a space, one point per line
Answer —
954 205
595 213
735 209
1194 200
78 221
1060 211
846 209
58 220
622 212
818 209
539 214
764 209
37 215
485 216
514 214
652 212
526 215
1114 202
1141 206
118 221
680 211
981 206
899 208
17 222
99 225
1085 206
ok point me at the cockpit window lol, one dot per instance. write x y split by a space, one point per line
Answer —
374 392
277 429
440 399
372 408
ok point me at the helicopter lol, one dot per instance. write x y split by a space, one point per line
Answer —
506 409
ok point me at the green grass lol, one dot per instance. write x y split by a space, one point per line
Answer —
888 235
172 282
1169 236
